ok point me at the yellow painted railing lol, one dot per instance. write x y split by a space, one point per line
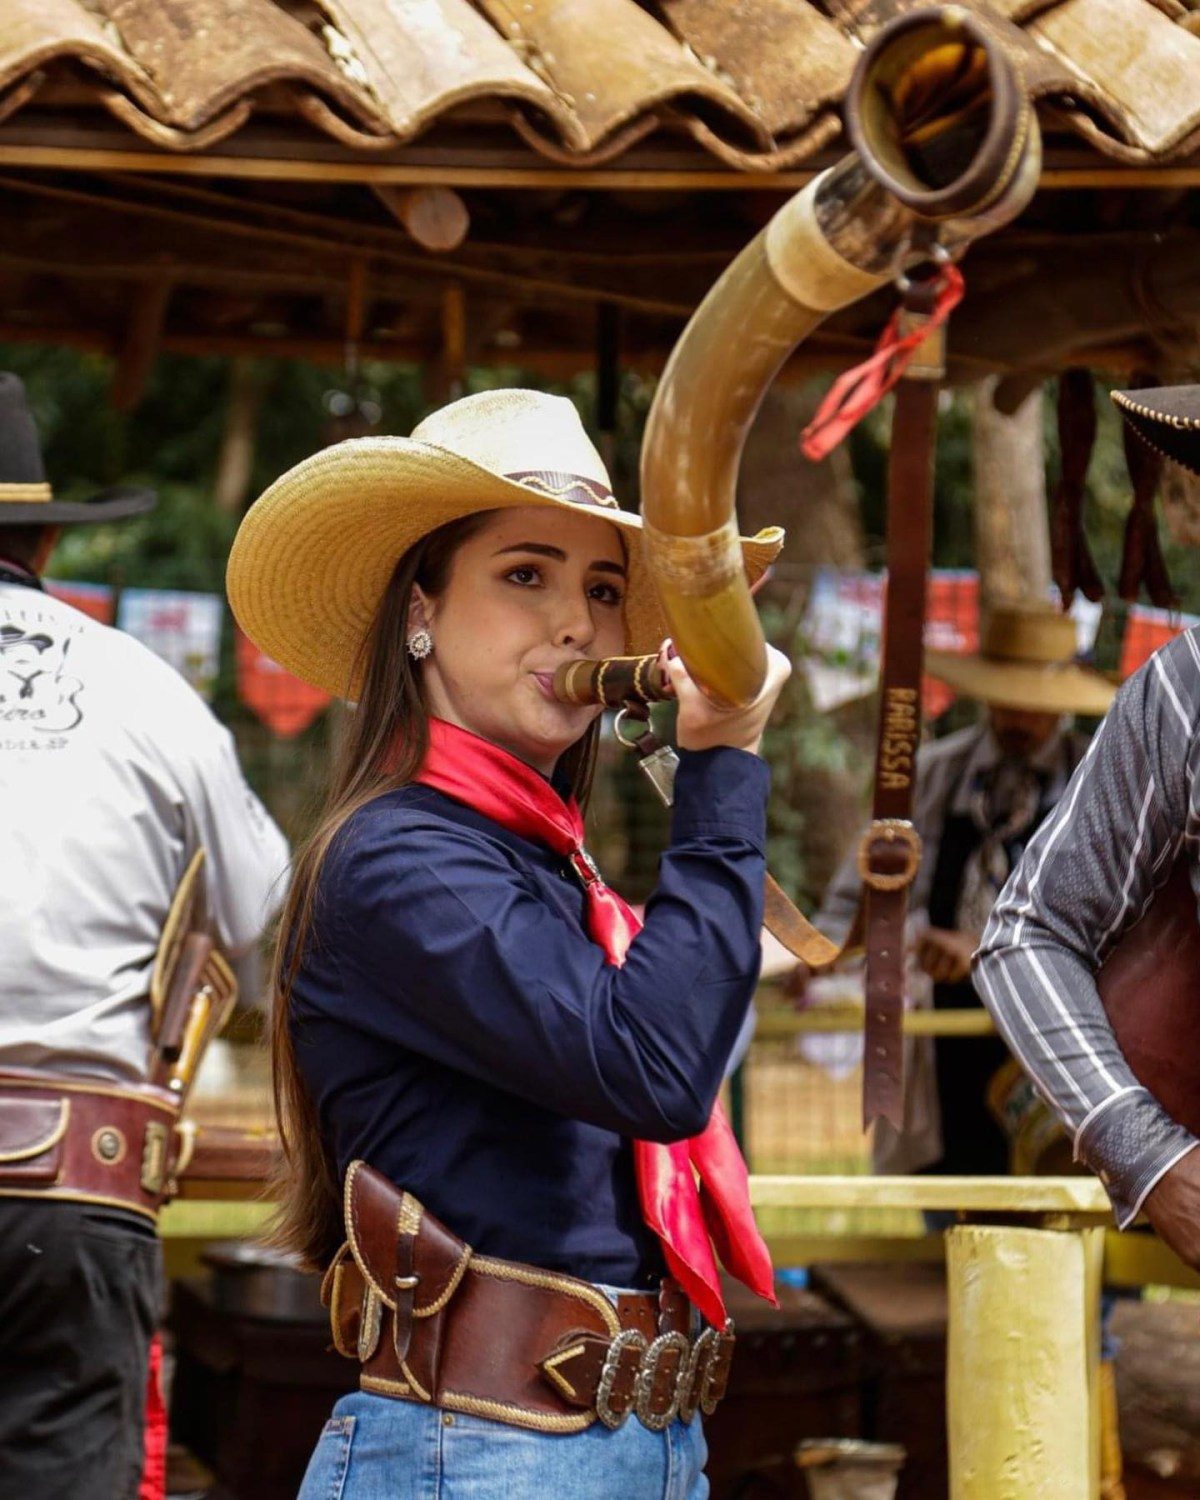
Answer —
773 1024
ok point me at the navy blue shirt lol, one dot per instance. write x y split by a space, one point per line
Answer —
461 1032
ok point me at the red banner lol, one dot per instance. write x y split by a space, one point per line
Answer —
94 599
951 624
284 703
1146 630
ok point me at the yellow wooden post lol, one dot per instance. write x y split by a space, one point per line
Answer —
1022 1362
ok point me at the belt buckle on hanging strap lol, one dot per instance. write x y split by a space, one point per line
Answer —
889 837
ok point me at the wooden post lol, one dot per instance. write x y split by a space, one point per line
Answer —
356 313
235 460
446 372
608 378
1012 533
1022 1362
143 339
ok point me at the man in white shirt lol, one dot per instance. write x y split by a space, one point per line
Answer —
112 774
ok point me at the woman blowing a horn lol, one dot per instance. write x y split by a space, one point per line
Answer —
496 1093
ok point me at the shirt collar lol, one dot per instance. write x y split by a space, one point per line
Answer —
15 572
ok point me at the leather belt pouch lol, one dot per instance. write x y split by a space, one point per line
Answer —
86 1142
431 1321
31 1139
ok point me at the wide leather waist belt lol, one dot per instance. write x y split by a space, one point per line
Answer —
430 1321
87 1142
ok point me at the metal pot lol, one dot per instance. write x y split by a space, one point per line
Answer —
252 1281
849 1469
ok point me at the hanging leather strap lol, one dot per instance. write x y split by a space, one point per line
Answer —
1142 560
890 853
1072 563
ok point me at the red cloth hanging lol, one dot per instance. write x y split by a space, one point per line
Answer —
153 1484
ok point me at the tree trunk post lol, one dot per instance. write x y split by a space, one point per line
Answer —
235 460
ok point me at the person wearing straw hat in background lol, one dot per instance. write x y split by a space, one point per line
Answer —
496 1093
113 774
981 794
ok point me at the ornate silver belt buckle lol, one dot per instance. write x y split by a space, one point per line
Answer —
643 1387
694 1378
710 1398
628 1338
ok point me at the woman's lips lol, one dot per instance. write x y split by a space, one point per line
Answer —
545 681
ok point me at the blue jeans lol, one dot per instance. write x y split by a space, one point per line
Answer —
377 1448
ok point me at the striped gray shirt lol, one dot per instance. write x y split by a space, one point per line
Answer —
1087 876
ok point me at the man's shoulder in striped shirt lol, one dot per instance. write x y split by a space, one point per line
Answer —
1086 877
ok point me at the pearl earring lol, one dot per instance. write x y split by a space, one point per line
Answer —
420 644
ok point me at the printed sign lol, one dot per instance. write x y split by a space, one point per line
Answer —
94 599
183 628
843 629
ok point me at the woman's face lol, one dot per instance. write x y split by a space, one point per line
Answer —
533 588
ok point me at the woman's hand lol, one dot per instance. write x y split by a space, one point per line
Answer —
703 726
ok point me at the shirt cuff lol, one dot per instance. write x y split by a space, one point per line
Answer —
721 793
1130 1145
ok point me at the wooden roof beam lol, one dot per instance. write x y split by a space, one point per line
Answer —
435 217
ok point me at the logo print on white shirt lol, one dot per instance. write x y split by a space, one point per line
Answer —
36 692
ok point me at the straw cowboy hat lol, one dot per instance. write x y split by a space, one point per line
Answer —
1026 659
26 498
314 554
1168 418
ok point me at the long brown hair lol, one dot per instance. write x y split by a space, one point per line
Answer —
383 747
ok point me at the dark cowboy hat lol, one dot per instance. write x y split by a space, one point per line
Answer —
26 498
1168 418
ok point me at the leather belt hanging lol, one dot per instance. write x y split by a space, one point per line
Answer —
890 851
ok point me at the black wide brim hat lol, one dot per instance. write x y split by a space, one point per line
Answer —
26 498
1168 418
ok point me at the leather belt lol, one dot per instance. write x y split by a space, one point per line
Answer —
432 1322
890 853
88 1142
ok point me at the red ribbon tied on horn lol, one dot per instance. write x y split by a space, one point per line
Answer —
854 393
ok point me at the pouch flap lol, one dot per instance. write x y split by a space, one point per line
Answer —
31 1133
376 1213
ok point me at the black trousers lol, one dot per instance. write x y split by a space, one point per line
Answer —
80 1292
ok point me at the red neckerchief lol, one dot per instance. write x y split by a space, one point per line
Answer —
688 1219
